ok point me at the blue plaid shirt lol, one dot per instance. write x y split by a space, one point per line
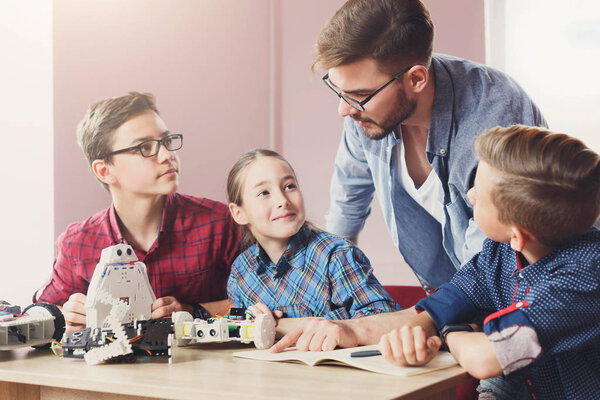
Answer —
545 317
318 275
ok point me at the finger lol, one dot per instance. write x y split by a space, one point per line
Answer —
395 341
385 348
433 344
162 302
331 341
161 312
77 298
421 348
176 306
332 336
408 345
74 307
73 328
72 318
254 310
303 342
263 308
289 339
278 314
316 342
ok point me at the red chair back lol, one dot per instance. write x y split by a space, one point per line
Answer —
406 296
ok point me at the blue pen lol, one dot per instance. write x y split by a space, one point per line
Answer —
365 353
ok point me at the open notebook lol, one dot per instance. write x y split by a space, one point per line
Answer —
342 357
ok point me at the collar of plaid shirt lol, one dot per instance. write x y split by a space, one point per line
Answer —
292 257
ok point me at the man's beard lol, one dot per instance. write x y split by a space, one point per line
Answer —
402 111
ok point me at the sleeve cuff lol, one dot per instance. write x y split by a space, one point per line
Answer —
449 305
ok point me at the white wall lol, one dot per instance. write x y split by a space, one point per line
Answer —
26 165
552 48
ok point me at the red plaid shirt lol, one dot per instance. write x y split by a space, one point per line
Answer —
190 259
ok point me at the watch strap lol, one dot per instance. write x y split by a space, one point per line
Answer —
453 328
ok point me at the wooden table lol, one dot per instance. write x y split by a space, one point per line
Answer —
207 372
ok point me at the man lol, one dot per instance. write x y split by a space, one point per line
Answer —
187 243
410 121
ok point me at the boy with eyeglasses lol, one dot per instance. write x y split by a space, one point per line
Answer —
187 243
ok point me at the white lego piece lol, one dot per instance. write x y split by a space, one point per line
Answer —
124 278
179 319
34 329
120 346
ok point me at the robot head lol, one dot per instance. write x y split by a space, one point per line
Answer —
118 254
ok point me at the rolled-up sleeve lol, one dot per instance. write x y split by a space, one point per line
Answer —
352 188
356 292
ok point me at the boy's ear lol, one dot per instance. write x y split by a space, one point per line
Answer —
238 214
518 238
102 171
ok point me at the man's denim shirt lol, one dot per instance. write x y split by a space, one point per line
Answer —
469 99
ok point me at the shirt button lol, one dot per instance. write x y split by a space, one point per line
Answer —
442 151
520 275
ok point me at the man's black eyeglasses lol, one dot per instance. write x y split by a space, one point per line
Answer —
360 104
150 148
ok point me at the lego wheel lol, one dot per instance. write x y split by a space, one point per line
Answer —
264 331
51 310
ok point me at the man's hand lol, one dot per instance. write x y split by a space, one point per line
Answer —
74 312
318 334
260 308
409 345
165 306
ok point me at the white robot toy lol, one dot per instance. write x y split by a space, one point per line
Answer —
118 313
119 276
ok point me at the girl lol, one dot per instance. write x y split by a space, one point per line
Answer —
291 266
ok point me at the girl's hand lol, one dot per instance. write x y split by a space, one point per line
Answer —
260 308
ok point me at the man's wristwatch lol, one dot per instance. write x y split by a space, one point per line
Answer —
453 328
200 312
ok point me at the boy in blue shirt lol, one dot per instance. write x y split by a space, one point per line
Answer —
537 280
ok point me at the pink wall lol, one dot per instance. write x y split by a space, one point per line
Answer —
208 69
230 75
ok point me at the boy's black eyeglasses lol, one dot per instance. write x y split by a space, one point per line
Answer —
150 148
360 104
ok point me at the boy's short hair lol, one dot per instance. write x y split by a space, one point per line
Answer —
103 118
550 183
392 32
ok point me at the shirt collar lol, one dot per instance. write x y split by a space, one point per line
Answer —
166 223
442 112
292 257
114 225
168 215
